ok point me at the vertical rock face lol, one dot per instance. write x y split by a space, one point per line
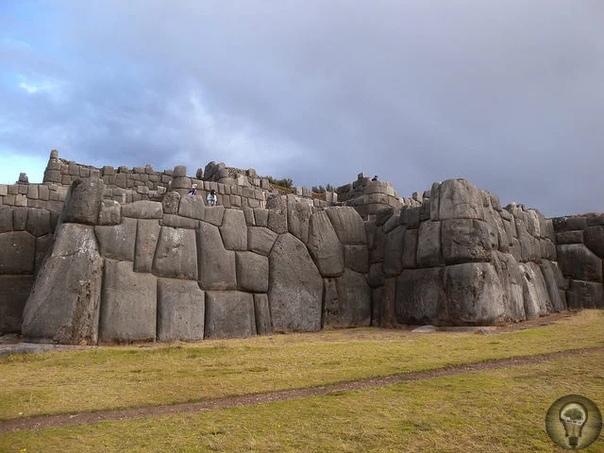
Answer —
64 303
229 314
180 310
84 201
295 287
14 291
217 270
324 246
176 254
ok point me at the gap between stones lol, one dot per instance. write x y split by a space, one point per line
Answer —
38 422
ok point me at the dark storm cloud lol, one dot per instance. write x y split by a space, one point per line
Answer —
507 94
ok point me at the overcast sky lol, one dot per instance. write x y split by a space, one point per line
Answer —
506 93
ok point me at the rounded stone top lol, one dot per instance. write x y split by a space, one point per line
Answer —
54 154
180 170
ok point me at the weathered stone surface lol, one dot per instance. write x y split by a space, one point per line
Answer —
536 296
261 216
263 314
117 241
410 249
171 202
43 247
295 287
351 306
465 240
234 230
180 310
473 295
83 201
376 275
176 254
594 239
214 215
459 199
529 245
298 218
348 224
17 252
147 236
217 269
393 252
143 209
128 305
229 314
429 252
38 222
377 249
260 239
6 219
419 295
569 237
176 221
356 258
14 291
19 218
63 306
110 213
191 207
512 284
578 262
552 277
277 213
324 245
387 309
582 294
252 272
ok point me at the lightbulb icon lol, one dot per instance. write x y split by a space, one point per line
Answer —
573 417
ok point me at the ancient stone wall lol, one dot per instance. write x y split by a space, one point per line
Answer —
580 246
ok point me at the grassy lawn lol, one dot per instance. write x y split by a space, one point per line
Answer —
499 410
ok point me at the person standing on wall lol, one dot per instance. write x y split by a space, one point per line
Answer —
212 198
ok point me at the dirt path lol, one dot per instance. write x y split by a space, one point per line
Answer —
51 421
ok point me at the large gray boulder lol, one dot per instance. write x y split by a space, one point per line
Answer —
410 249
580 263
117 241
594 239
582 294
110 213
536 296
180 310
350 306
295 287
393 251
260 239
419 295
324 245
83 201
38 222
176 254
298 218
252 272
277 213
147 236
429 251
17 252
465 240
14 291
63 306
459 199
143 209
553 281
356 257
129 304
348 224
512 285
473 295
263 314
217 269
191 207
234 230
229 314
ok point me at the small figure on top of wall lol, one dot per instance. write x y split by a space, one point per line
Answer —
193 190
212 198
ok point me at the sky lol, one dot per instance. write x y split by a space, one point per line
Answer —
508 94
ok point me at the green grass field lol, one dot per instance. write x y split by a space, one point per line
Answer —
493 410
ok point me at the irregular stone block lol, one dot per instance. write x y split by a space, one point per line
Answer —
465 240
512 285
277 214
356 258
352 306
6 219
110 213
63 306
44 245
176 254
83 201
261 216
324 246
14 291
143 209
217 270
536 296
393 251
473 295
348 224
214 215
459 199
594 239
128 305
419 296
263 314
19 218
38 222
295 287
234 230
429 253
147 236
192 207
552 277
117 241
176 221
579 263
229 314
17 252
260 239
376 275
171 203
298 218
180 310
569 237
410 249
582 294
252 272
